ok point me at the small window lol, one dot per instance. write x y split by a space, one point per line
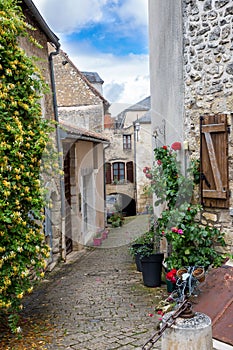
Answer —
127 142
118 171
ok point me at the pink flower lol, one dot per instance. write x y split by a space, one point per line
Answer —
159 162
149 176
176 146
151 315
174 229
180 232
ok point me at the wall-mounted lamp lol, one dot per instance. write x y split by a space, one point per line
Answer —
136 129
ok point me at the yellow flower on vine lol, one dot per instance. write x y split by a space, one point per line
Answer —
20 295
29 290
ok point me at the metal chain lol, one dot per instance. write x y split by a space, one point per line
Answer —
170 321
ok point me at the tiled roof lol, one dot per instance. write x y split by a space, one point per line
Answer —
143 105
93 77
80 133
146 118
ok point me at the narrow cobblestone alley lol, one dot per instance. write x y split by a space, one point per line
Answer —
97 301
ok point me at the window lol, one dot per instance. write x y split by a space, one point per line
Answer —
126 141
118 171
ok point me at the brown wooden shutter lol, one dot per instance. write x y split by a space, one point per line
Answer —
129 167
214 161
107 173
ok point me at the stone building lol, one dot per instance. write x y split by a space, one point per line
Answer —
129 152
45 37
81 110
192 97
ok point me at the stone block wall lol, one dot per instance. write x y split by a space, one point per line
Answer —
208 82
75 96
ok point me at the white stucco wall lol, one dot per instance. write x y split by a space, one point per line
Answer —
166 52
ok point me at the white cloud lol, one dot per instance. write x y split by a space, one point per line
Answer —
126 79
136 9
70 15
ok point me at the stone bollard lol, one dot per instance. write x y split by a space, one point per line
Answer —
188 333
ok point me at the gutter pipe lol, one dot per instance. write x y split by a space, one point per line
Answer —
59 148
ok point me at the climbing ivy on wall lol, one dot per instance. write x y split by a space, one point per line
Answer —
23 137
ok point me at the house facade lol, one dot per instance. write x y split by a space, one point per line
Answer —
81 110
191 95
129 152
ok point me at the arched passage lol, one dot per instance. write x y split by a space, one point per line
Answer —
125 203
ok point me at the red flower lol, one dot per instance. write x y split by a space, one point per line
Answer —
159 162
164 147
160 312
176 146
149 176
171 276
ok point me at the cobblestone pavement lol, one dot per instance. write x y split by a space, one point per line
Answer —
98 301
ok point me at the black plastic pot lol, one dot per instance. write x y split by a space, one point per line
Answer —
138 255
152 269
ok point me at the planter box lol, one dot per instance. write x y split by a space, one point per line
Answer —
105 235
97 242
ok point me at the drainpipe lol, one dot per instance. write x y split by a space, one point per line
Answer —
105 209
59 148
136 126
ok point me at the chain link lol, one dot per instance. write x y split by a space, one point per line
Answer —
169 322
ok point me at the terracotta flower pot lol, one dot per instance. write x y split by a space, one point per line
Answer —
180 272
199 274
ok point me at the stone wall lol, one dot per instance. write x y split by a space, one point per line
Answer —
75 95
208 79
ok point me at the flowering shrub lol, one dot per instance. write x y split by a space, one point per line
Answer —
189 242
24 135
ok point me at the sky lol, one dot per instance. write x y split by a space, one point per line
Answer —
109 37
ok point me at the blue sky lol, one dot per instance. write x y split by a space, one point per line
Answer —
106 36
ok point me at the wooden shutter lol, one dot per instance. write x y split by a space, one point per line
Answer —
214 161
129 167
107 173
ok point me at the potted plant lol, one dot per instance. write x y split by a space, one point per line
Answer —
171 280
116 219
151 262
143 243
148 259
